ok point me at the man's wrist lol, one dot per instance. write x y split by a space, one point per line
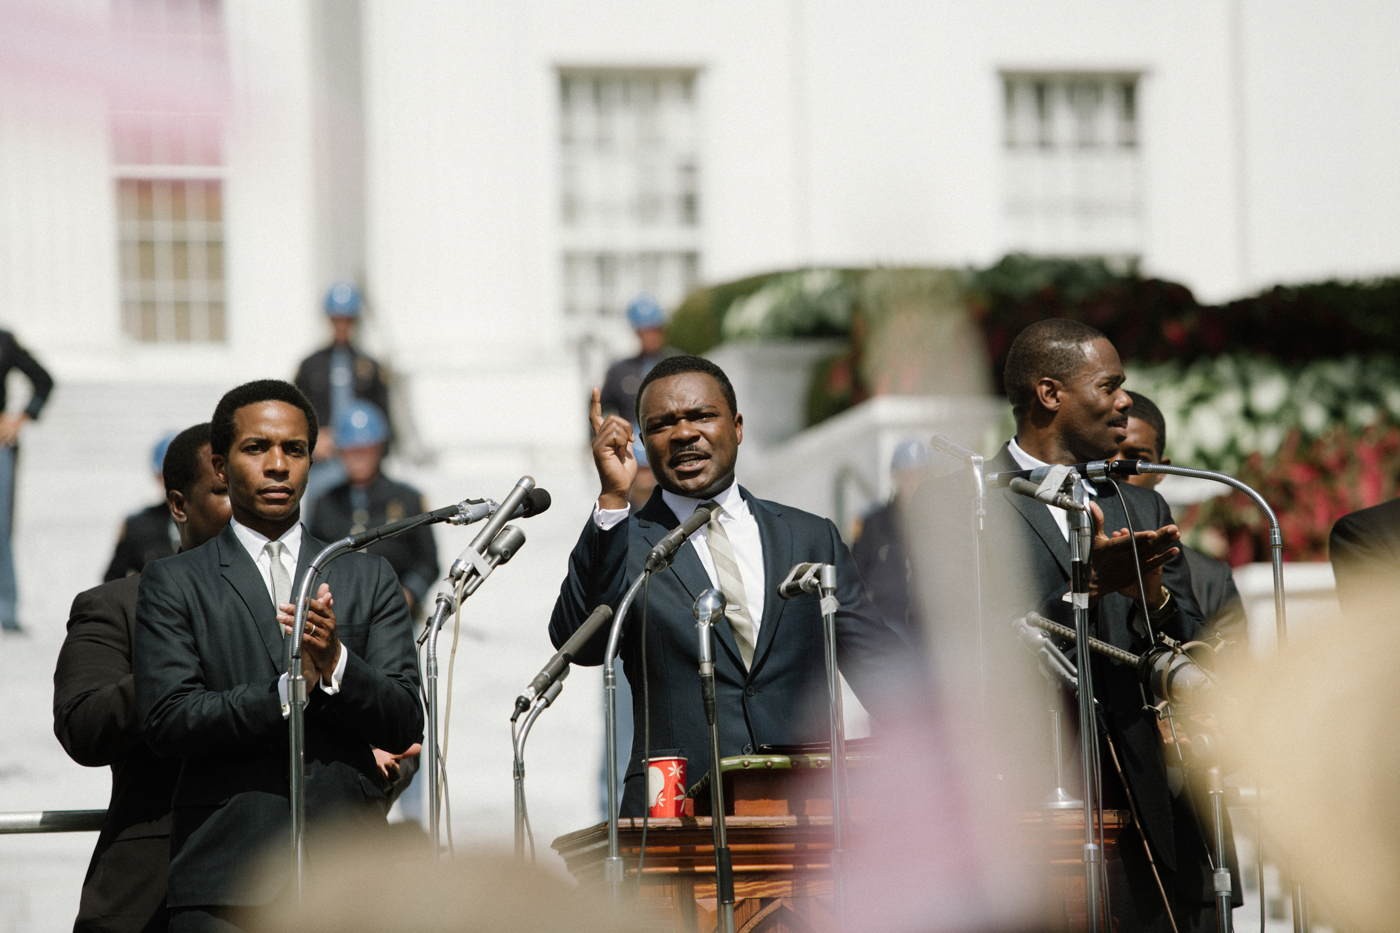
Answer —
612 501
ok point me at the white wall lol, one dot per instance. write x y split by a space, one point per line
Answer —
832 133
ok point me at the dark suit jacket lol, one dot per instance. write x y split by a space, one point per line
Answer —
1213 583
208 656
782 698
1027 568
94 717
146 535
1364 548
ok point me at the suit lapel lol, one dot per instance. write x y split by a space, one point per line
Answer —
653 521
1035 514
776 537
238 569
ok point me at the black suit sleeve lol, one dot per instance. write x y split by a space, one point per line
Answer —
878 662
596 577
181 714
378 698
1363 548
94 698
37 375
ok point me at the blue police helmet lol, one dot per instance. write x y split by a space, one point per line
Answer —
909 454
360 424
343 300
158 452
644 312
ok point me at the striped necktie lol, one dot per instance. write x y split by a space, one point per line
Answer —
731 584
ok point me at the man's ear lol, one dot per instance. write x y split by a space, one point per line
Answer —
1047 393
175 502
219 462
739 427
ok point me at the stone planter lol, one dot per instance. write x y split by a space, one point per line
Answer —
771 379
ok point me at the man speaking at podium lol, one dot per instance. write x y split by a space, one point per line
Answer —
770 678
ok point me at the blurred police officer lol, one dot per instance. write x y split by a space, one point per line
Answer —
146 534
367 498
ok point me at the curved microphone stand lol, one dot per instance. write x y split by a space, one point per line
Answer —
1129 467
612 864
518 736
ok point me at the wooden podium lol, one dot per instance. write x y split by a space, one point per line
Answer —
779 827
780 839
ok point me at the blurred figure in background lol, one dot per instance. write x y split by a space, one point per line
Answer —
332 378
880 552
149 533
367 498
94 711
1364 548
1212 580
618 396
13 356
624 377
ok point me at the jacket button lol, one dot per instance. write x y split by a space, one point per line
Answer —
748 749
750 691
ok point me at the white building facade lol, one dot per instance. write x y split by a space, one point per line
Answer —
501 177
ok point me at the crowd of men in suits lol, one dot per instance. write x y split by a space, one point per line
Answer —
176 677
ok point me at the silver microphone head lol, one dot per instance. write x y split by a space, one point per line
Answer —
506 543
709 606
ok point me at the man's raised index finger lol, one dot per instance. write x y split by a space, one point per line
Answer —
595 409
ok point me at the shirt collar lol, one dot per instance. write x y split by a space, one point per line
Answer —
1027 462
683 506
253 541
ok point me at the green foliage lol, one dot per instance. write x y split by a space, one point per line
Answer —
1295 389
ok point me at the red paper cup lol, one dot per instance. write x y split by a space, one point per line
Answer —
666 786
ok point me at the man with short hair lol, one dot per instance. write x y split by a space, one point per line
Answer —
769 663
95 718
1212 581
211 682
1064 380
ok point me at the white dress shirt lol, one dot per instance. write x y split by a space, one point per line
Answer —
739 525
1026 462
253 542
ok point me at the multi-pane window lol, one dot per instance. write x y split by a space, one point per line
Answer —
1073 165
168 168
629 188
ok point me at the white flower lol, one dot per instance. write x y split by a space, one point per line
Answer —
1268 393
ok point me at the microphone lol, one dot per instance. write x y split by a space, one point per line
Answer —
463 513
501 549
1093 470
523 501
665 550
708 608
802 578
558 666
1049 496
